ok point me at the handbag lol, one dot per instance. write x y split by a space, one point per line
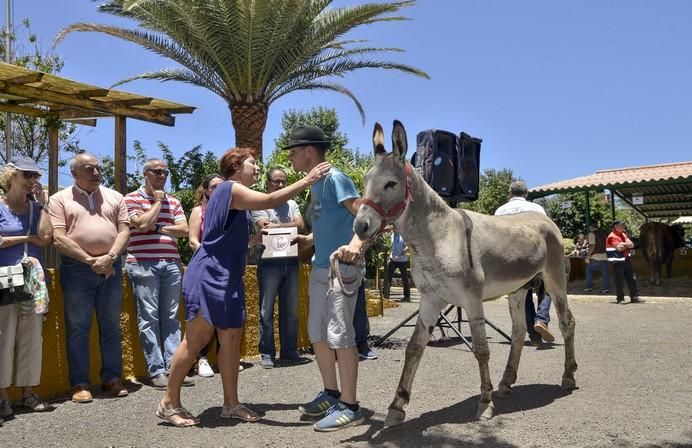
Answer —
15 280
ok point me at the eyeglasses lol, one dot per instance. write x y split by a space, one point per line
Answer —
30 175
159 172
277 182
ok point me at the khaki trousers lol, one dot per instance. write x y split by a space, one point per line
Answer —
21 347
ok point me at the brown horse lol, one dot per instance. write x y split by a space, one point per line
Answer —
463 258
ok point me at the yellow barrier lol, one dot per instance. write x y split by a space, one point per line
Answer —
54 377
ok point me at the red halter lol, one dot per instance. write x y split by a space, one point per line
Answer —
395 211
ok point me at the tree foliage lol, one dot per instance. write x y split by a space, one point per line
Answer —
569 212
30 134
251 53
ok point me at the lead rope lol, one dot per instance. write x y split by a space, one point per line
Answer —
334 271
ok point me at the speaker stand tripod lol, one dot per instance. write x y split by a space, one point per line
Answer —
443 322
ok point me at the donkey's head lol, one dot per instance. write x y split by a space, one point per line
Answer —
387 184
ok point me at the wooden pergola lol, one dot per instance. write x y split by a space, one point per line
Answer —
42 95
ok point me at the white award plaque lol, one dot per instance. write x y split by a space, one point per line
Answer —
277 243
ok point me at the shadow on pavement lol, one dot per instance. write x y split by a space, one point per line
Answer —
425 430
211 417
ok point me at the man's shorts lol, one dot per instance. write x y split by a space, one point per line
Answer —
331 311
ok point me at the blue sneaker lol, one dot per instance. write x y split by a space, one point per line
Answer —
365 352
338 417
319 406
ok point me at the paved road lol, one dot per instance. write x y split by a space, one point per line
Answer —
635 378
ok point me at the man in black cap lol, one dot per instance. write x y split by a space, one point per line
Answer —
334 204
618 247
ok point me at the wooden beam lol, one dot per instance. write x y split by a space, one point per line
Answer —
174 110
69 114
74 116
91 93
83 122
22 110
120 154
101 106
25 79
139 101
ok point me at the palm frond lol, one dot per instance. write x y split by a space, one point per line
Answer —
325 86
174 74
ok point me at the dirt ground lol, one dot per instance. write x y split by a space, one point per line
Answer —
634 378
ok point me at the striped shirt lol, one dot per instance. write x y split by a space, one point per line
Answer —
151 245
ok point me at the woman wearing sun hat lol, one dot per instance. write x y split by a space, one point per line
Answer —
24 229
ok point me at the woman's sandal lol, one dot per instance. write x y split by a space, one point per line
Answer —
241 412
168 413
35 403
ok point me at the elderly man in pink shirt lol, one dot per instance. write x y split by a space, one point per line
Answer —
91 230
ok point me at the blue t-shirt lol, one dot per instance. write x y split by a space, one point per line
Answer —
398 248
332 223
15 225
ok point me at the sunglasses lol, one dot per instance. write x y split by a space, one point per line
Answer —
30 175
159 172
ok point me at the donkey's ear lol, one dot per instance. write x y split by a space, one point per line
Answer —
378 140
399 141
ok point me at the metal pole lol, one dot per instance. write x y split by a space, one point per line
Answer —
8 59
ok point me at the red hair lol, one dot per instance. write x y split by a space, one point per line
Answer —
231 160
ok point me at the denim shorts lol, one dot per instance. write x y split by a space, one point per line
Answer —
331 311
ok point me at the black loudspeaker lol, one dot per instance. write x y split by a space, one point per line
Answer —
449 164
435 160
443 177
468 174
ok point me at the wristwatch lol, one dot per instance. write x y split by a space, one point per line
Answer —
113 256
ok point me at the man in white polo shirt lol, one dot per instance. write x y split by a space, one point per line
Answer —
153 266
537 319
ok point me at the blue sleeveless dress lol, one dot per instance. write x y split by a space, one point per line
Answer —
213 281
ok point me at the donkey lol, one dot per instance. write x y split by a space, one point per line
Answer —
463 258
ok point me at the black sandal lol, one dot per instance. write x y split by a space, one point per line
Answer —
35 403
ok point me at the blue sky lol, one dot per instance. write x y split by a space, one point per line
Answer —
555 88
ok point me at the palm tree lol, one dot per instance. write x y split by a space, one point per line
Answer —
253 52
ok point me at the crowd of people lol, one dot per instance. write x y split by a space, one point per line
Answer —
95 228
100 232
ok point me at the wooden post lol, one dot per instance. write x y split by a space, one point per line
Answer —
51 254
588 209
120 156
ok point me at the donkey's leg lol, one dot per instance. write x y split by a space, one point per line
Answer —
567 324
482 352
516 310
428 315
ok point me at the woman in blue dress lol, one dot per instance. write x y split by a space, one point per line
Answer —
213 282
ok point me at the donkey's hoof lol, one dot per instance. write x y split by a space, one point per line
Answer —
485 411
569 383
395 417
504 391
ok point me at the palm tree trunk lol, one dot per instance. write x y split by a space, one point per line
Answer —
249 121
